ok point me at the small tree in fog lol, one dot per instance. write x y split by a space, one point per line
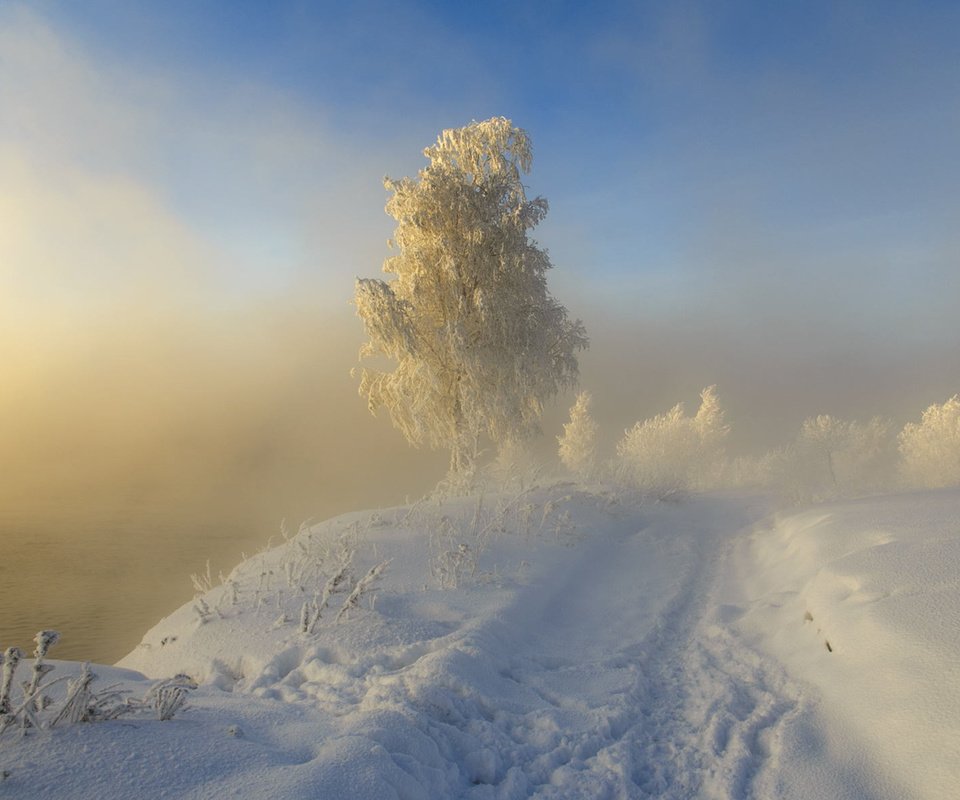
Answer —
578 443
478 341
775 469
930 450
817 445
672 451
842 458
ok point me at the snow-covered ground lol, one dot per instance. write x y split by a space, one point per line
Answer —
560 643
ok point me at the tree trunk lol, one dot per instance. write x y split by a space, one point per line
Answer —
457 451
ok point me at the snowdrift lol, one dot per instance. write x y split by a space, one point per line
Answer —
860 600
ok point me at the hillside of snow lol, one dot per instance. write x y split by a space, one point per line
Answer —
563 642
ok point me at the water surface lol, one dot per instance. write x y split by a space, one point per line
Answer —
103 580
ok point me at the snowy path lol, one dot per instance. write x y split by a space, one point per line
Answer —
621 684
606 678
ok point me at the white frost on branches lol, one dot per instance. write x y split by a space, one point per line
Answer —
673 452
930 449
841 458
362 586
478 341
578 442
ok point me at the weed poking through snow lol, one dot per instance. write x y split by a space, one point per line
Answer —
169 696
81 702
363 586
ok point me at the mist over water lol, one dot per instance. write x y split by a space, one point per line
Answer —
102 579
133 452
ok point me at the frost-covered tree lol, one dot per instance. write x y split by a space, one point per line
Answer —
578 442
842 458
656 454
672 451
930 450
479 342
712 431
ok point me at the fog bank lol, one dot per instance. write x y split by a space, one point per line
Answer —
249 412
253 411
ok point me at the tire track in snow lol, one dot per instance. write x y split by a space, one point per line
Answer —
609 679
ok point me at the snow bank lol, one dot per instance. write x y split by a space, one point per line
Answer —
861 600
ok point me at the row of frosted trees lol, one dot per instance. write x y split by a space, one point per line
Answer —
466 345
829 457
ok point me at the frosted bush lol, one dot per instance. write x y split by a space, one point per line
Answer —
514 466
673 452
930 449
829 458
169 696
578 443
656 454
840 458
36 708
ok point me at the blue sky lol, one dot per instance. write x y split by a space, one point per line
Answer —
778 177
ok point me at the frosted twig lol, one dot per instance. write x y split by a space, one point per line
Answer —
45 640
362 586
203 582
11 658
